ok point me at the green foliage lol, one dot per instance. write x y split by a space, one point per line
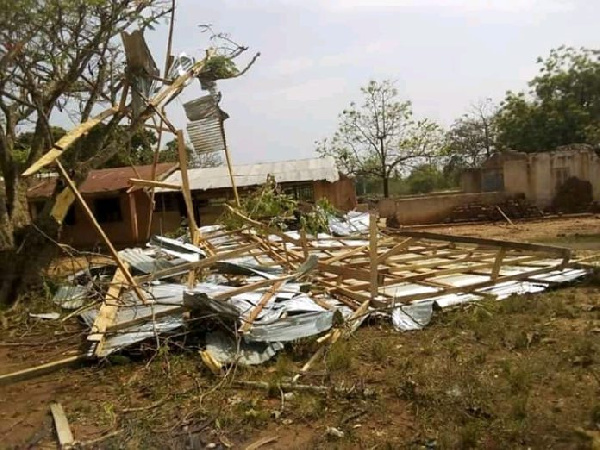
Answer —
426 178
138 151
563 106
380 136
219 67
276 209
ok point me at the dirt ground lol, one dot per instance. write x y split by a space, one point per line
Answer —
522 373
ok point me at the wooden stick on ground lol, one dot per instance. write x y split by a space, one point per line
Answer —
32 372
63 432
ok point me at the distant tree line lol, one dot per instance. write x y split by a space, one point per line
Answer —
390 152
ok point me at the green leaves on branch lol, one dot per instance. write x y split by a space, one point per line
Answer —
380 137
562 107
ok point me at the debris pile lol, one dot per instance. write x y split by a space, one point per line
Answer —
513 208
246 293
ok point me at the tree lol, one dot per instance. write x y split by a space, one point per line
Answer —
67 56
426 178
562 107
380 137
470 140
170 154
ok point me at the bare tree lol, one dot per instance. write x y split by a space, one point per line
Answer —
380 137
472 138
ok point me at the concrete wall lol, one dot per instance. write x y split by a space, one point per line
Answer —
432 208
540 175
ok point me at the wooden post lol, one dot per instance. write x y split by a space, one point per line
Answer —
229 166
498 263
187 196
101 232
373 254
304 243
133 217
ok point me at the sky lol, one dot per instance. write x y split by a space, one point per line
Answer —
444 55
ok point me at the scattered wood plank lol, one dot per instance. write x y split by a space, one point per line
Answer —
68 139
44 369
63 431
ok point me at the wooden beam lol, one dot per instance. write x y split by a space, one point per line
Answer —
553 250
63 432
101 232
44 369
395 250
107 313
133 216
230 166
260 305
154 184
68 139
187 196
475 286
498 263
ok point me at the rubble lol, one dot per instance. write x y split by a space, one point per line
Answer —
255 289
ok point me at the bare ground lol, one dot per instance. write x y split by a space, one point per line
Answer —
523 373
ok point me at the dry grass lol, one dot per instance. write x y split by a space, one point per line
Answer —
519 373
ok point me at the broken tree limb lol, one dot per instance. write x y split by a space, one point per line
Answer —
63 432
101 232
264 227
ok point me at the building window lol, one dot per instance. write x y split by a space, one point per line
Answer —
561 175
304 192
108 210
167 202
492 180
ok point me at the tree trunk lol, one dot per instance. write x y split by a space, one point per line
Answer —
29 250
386 186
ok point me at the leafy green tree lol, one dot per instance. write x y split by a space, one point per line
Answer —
562 107
426 178
380 138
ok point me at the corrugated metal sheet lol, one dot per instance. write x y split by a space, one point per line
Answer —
313 169
104 180
205 128
206 135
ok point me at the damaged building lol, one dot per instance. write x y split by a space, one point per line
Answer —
537 176
124 211
306 180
